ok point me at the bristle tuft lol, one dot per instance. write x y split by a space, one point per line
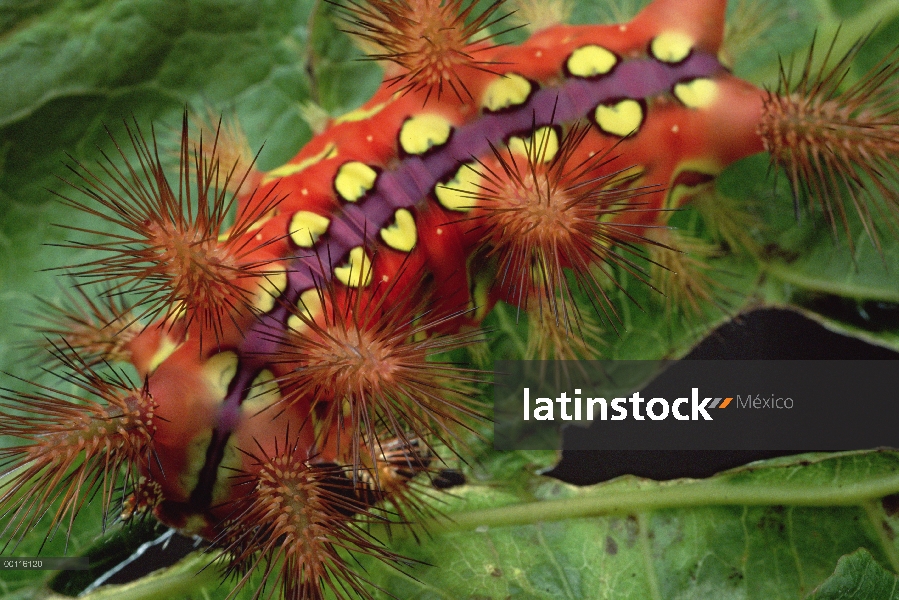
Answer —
550 337
549 210
172 252
748 23
429 41
681 272
225 140
96 331
366 363
392 485
296 525
838 140
73 447
732 223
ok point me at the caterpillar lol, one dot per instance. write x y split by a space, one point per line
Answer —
285 332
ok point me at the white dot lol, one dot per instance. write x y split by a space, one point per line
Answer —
304 191
439 231
385 278
369 138
675 129
622 28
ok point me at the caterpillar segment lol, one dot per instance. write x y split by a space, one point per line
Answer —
292 381
93 330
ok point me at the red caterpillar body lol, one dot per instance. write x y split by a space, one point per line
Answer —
287 389
392 189
385 192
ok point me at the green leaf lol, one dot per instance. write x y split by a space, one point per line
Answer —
805 267
858 577
772 530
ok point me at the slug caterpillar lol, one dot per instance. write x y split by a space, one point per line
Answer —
286 329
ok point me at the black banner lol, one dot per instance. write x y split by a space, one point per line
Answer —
763 405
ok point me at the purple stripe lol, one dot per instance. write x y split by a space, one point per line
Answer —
405 186
413 180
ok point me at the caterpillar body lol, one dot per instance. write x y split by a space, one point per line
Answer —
288 392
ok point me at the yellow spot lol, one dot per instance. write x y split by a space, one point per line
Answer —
698 93
306 227
330 151
283 171
354 180
218 371
264 392
357 271
671 46
310 302
675 129
506 91
422 132
460 192
195 454
385 278
308 305
402 235
295 323
543 145
166 347
439 231
271 286
233 461
360 114
590 61
621 119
